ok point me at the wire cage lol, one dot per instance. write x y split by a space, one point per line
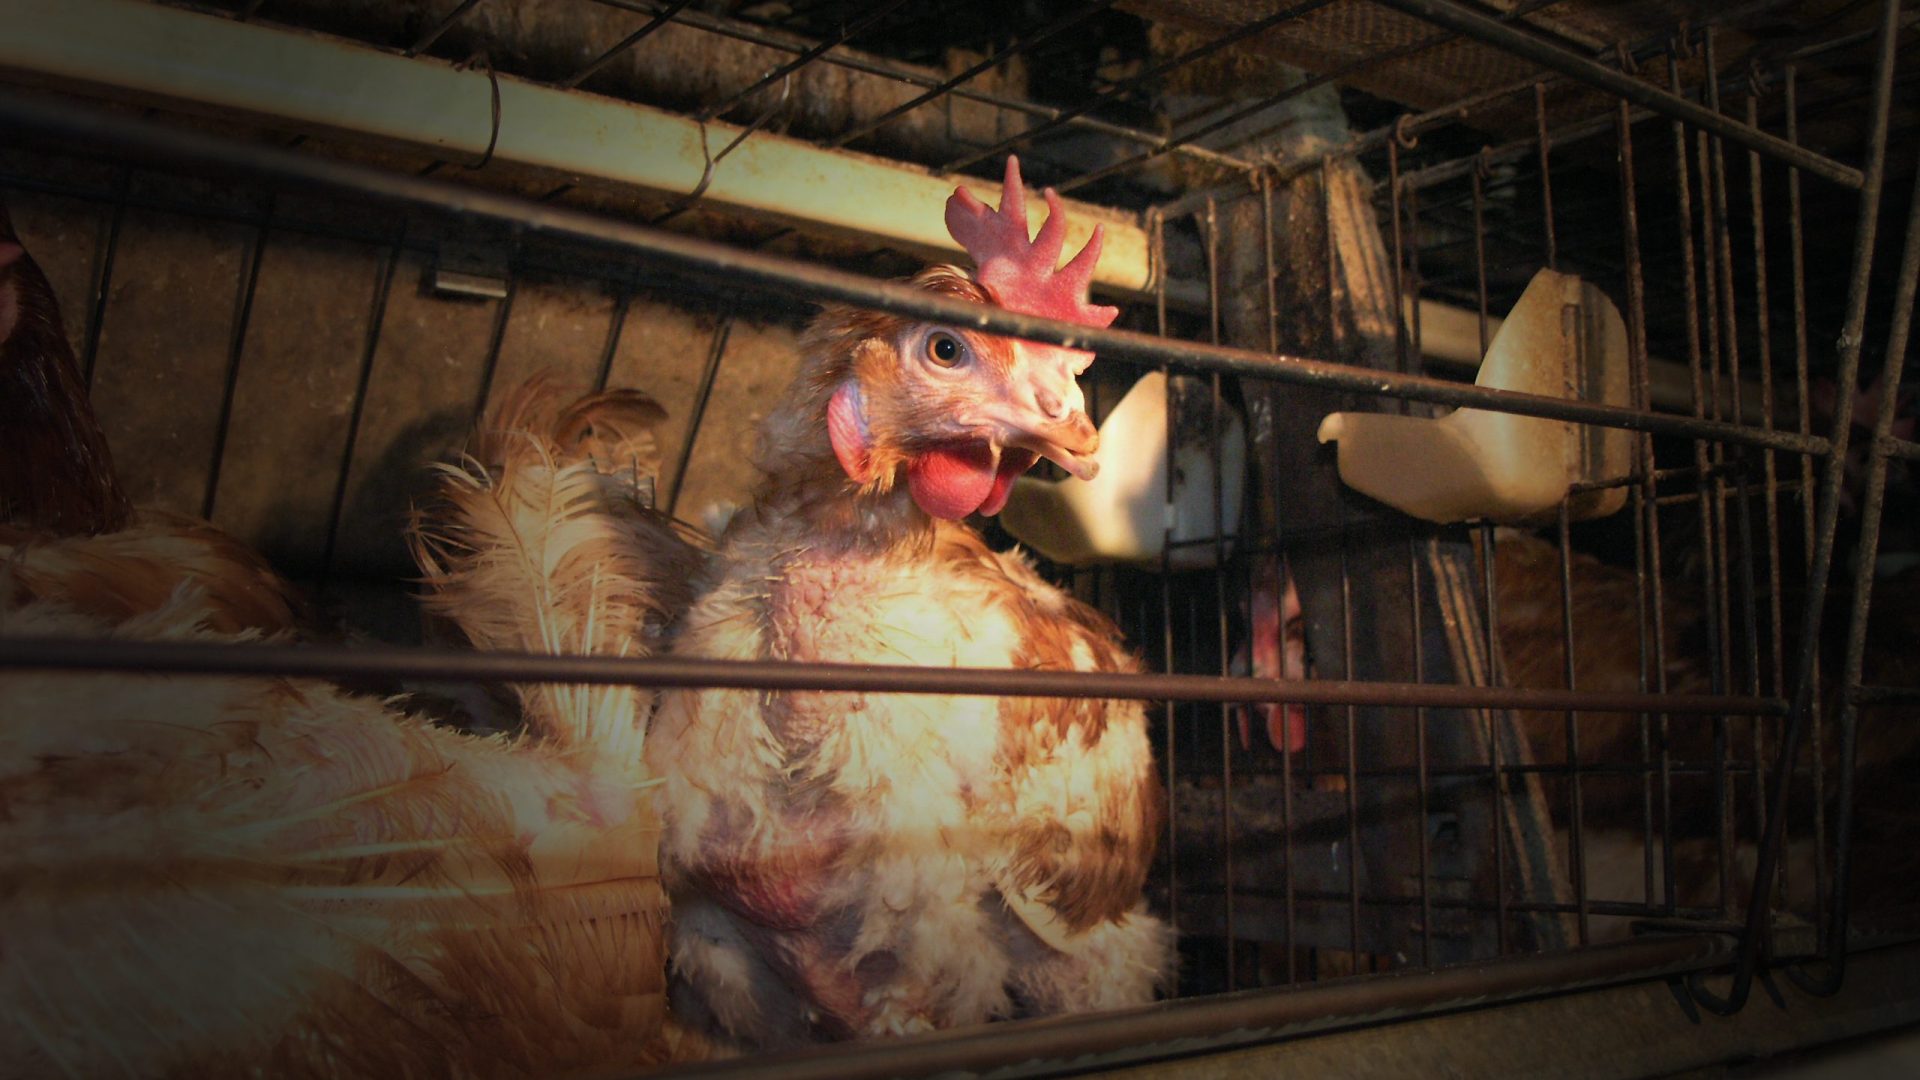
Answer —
1594 749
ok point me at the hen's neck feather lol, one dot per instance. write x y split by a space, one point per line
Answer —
803 482
803 487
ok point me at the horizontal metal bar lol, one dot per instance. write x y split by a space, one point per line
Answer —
69 124
1697 917
1269 769
1225 1021
1518 42
1885 695
337 662
1898 448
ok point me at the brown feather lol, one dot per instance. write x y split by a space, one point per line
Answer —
137 569
224 876
542 544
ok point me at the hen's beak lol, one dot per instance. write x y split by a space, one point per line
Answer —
1046 413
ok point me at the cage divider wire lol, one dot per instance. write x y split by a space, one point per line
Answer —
1648 596
1828 519
1871 517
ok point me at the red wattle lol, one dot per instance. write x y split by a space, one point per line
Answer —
1012 464
1286 725
952 483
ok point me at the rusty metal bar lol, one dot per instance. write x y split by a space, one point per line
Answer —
328 661
1798 265
1863 574
376 318
660 19
236 345
103 277
433 33
1517 42
1828 514
709 374
1225 1021
496 339
746 269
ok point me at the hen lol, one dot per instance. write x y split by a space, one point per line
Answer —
212 876
855 864
846 864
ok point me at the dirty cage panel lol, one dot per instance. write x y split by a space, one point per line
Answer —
1646 710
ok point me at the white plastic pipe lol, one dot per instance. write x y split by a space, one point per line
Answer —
128 48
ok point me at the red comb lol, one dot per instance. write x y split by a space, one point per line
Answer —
1021 273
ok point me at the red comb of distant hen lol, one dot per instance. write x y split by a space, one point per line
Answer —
1020 273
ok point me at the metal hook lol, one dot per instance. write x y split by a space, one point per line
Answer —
493 85
712 159
1628 64
686 202
1402 135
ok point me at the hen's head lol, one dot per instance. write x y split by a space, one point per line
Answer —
955 414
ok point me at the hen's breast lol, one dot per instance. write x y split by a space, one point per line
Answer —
899 860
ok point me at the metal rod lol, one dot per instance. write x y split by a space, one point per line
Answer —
236 345
1871 512
1828 513
1423 780
1158 237
660 19
1722 350
496 338
610 349
1700 292
747 269
1546 173
1576 811
1219 580
1494 769
103 277
433 33
1769 466
1398 246
1797 242
1517 42
1283 576
376 318
1351 787
708 375
1227 1020
1647 518
317 661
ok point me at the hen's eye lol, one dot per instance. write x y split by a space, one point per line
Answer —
945 349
